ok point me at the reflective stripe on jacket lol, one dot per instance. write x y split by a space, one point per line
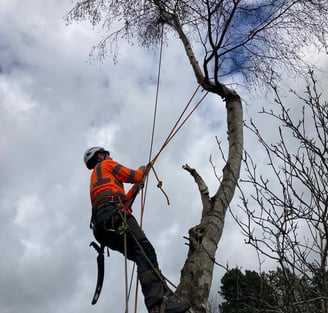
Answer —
108 177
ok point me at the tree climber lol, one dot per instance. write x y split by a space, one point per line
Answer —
110 224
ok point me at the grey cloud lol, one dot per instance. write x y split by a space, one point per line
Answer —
52 104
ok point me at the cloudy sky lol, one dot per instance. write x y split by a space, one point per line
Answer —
54 105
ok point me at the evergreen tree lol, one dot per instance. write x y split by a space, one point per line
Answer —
246 293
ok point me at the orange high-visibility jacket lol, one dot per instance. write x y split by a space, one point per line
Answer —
107 179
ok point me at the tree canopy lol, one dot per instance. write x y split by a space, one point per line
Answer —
245 292
250 292
257 39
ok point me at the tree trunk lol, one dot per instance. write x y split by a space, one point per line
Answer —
197 272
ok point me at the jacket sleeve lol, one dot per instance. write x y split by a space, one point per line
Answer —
127 175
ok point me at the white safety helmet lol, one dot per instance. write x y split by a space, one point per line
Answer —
89 158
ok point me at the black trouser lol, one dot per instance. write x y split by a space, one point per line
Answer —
139 249
106 228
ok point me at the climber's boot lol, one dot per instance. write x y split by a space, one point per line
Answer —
158 297
176 307
169 306
152 288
